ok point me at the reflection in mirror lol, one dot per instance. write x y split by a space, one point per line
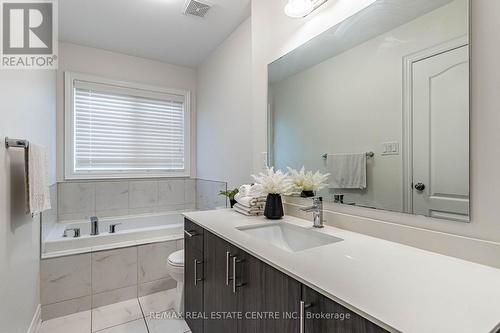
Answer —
381 102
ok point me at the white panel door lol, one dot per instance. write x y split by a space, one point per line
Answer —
440 114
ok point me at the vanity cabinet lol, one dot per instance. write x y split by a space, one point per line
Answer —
338 319
238 293
238 288
193 275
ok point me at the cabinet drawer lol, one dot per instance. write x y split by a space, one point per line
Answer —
193 235
325 315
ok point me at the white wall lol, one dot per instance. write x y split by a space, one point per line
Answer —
118 66
319 110
274 34
224 135
28 101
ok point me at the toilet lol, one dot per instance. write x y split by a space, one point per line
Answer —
175 267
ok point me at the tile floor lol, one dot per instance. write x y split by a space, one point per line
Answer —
148 314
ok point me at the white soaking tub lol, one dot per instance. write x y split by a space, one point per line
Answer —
132 231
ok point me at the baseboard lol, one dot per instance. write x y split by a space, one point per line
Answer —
36 322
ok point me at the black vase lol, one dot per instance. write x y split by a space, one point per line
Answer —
274 207
307 194
232 202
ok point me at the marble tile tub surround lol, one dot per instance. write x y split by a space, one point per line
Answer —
82 199
81 282
49 217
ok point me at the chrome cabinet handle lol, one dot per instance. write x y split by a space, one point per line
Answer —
190 233
235 283
228 263
196 279
302 315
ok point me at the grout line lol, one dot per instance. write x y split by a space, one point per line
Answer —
137 272
67 300
107 328
143 316
91 293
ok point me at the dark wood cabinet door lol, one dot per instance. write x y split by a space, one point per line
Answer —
220 303
193 235
268 299
323 315
193 269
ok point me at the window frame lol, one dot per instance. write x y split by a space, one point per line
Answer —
69 153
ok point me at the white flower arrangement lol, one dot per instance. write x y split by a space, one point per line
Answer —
308 181
274 182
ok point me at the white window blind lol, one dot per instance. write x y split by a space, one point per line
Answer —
126 130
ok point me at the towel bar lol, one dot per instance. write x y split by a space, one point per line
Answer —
16 143
369 154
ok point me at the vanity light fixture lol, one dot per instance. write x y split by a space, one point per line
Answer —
302 8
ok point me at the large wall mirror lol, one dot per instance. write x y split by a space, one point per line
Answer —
381 102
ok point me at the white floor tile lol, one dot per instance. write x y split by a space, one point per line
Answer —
168 323
136 326
158 302
75 323
115 314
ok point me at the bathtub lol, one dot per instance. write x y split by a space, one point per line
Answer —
133 230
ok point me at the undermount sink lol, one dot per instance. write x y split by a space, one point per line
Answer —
289 237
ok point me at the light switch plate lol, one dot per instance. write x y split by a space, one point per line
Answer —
390 148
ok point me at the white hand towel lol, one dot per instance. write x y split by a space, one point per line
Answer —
250 201
255 191
37 179
250 210
347 171
244 189
241 210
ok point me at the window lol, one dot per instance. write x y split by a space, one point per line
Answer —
123 130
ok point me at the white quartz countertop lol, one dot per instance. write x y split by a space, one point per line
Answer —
399 287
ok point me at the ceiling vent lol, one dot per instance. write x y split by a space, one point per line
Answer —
197 8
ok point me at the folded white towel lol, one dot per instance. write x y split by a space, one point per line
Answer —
37 179
255 190
246 212
244 189
260 206
347 171
250 201
250 210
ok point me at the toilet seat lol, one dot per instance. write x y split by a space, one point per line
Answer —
176 259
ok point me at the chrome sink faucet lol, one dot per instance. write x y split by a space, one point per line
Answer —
76 232
317 210
94 226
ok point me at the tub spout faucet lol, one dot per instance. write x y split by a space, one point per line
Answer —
112 228
76 232
94 226
317 210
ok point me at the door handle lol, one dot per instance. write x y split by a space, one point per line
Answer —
196 279
235 282
302 316
190 234
228 263
420 186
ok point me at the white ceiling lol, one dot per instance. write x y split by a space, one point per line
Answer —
154 29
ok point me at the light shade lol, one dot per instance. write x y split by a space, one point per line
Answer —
299 8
